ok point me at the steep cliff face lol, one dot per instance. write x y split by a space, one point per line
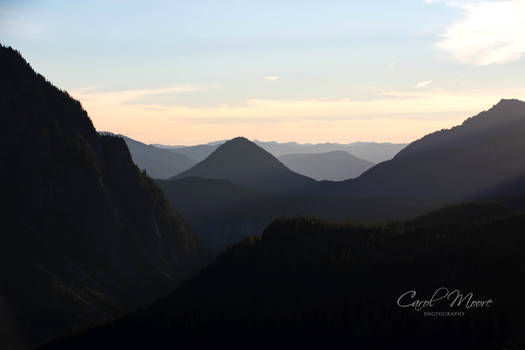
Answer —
86 234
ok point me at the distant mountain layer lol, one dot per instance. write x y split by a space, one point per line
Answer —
244 163
335 165
481 159
158 163
371 151
309 284
472 160
197 152
328 161
86 235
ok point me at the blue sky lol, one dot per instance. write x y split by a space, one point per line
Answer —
189 72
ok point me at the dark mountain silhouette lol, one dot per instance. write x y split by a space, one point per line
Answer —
158 163
335 165
86 235
318 285
467 161
246 164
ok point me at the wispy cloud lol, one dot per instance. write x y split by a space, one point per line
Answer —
489 32
131 96
272 77
423 84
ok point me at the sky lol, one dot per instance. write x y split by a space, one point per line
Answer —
189 72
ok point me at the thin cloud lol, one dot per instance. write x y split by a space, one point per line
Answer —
272 77
423 84
126 96
490 32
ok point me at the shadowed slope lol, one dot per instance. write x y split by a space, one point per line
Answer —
159 163
311 284
467 161
86 235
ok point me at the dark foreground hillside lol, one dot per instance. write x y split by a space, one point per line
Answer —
86 236
312 284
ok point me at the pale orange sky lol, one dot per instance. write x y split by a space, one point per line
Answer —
307 71
395 116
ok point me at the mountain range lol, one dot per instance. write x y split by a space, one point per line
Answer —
480 159
371 151
86 235
159 163
196 152
334 165
469 161
246 164
162 162
89 237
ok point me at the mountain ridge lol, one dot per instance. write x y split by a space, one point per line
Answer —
244 163
374 152
159 163
333 165
460 163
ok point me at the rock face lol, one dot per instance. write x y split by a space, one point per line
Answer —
86 234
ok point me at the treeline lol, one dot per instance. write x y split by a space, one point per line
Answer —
307 283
